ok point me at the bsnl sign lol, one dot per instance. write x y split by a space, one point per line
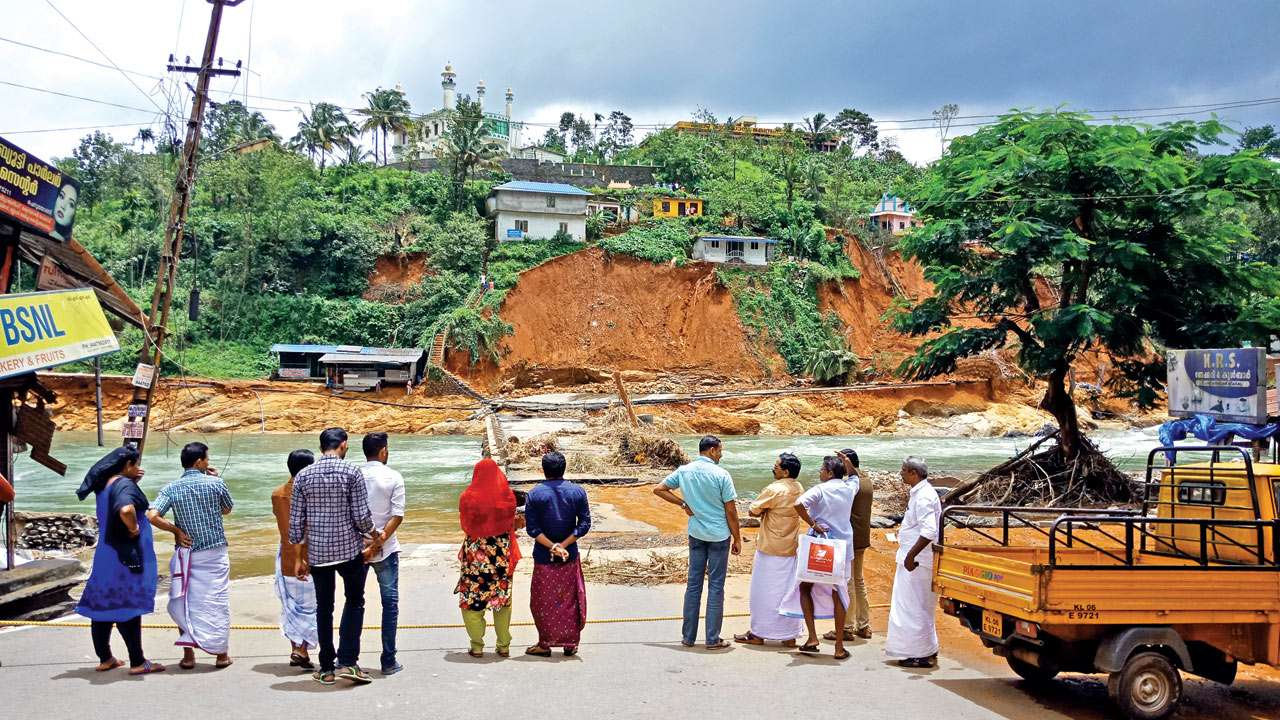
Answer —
1224 383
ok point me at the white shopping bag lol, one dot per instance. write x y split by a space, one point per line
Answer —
822 560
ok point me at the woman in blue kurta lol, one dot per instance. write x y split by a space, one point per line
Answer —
122 584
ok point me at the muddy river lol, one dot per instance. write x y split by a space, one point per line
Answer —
437 469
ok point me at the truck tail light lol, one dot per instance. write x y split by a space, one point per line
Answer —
1027 629
949 606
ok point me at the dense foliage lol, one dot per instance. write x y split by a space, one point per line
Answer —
659 242
1133 232
779 304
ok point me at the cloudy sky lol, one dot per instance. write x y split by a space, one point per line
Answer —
656 60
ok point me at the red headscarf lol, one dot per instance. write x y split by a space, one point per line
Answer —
488 507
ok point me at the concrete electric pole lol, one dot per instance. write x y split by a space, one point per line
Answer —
144 379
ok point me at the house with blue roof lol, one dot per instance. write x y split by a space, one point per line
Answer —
735 249
894 215
525 210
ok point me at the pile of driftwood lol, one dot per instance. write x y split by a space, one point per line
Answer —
1039 477
658 569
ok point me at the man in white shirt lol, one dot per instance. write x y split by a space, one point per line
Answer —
386 504
913 636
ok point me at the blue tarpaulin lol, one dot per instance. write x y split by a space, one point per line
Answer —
1205 427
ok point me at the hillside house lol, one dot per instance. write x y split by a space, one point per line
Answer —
539 153
534 210
893 215
670 207
735 249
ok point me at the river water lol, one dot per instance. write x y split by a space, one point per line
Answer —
436 470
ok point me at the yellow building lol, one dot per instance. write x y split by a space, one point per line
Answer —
669 207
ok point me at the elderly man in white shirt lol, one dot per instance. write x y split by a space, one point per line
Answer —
913 636
386 504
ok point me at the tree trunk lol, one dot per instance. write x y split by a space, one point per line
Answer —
1057 402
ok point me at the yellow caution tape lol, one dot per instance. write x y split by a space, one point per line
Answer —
402 626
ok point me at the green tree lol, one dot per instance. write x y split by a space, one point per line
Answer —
231 123
1263 139
553 139
819 129
386 112
467 148
91 163
856 129
322 131
459 244
617 135
1127 226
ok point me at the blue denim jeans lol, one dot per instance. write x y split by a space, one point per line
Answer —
353 573
387 571
710 559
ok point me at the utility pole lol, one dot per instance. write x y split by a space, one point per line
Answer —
167 270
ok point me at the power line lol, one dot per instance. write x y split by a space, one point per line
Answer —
69 129
105 56
78 97
77 57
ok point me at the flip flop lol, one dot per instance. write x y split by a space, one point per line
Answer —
813 649
476 653
300 660
115 663
147 668
718 645
223 665
538 651
748 639
842 655
184 665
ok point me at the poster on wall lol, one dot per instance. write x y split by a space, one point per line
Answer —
1225 383
36 193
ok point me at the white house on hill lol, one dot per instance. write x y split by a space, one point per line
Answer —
535 210
735 249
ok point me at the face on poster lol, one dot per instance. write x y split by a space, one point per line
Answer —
36 193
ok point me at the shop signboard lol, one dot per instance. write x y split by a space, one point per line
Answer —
1228 384
36 193
43 329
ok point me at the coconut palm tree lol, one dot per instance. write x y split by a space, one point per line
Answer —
387 112
819 129
467 148
323 130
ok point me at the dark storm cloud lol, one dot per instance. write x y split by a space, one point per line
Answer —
783 60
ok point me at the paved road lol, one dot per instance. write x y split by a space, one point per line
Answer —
624 671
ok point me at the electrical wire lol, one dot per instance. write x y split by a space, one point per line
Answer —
78 127
79 97
104 55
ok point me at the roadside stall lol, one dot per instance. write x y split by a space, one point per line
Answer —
61 321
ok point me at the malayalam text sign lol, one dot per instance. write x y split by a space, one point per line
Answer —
36 193
44 329
1225 383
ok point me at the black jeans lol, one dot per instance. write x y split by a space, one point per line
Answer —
130 630
353 573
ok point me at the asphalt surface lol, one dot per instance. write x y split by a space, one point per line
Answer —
624 670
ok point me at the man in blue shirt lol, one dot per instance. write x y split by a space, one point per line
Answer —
557 515
710 501
200 594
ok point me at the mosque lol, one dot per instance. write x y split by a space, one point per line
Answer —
429 129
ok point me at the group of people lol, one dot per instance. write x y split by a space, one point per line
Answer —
838 507
338 520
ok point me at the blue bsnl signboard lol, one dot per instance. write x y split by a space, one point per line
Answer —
1225 383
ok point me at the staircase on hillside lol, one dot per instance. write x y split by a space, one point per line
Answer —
436 356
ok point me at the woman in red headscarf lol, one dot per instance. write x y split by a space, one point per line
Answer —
488 555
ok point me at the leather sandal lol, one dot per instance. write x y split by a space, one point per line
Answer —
538 651
748 638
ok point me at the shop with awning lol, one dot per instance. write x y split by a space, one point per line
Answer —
374 367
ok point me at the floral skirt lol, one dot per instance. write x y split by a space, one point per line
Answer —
485 583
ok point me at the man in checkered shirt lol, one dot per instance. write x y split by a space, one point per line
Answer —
200 594
329 511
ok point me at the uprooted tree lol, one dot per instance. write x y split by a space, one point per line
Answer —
1059 236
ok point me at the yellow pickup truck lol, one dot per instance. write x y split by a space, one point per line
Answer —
1190 582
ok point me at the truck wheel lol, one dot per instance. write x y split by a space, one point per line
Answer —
1032 673
1148 687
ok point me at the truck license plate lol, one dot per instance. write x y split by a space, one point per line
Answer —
992 624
